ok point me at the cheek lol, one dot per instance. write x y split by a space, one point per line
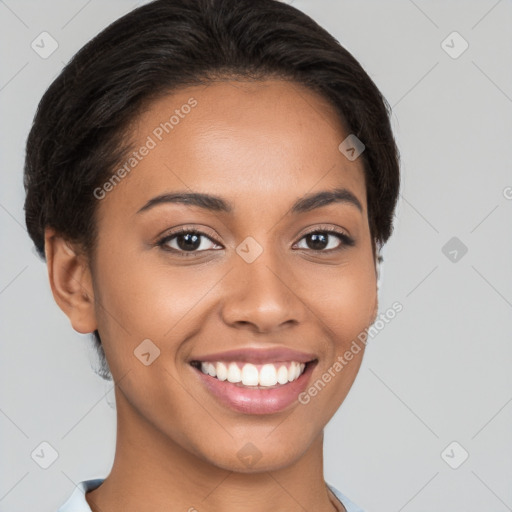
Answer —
345 299
138 299
355 308
345 307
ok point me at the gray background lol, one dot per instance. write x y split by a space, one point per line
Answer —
439 372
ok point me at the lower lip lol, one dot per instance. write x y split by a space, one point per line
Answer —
253 400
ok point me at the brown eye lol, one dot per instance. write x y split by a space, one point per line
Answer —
187 241
325 240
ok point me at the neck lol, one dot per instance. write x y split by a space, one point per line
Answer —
153 472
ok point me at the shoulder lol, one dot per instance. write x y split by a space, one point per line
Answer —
77 502
349 505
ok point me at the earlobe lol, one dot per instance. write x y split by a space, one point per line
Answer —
70 281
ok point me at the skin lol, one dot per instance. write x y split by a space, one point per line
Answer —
253 143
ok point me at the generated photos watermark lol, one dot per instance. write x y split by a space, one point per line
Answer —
356 346
152 140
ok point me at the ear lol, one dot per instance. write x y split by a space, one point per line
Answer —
70 281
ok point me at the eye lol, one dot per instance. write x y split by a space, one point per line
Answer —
324 240
185 242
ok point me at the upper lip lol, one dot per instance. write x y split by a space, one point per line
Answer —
258 355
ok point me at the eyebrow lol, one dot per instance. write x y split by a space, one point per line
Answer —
214 203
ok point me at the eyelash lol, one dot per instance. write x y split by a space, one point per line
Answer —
346 241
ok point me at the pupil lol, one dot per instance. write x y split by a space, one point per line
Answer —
192 241
315 237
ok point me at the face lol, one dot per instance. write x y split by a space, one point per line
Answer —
262 270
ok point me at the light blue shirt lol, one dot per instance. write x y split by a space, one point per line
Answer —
77 502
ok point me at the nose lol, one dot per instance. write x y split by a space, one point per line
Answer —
263 296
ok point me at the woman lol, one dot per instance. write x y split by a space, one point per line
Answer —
210 183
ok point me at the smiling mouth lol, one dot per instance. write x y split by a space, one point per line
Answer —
255 376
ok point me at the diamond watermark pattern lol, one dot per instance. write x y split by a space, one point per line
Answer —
44 455
351 147
147 352
454 45
44 45
454 249
454 455
249 455
249 249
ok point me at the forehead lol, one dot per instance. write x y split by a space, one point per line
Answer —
256 141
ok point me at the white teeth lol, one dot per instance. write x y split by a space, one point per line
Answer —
292 372
282 375
249 375
222 371
234 373
266 375
211 370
